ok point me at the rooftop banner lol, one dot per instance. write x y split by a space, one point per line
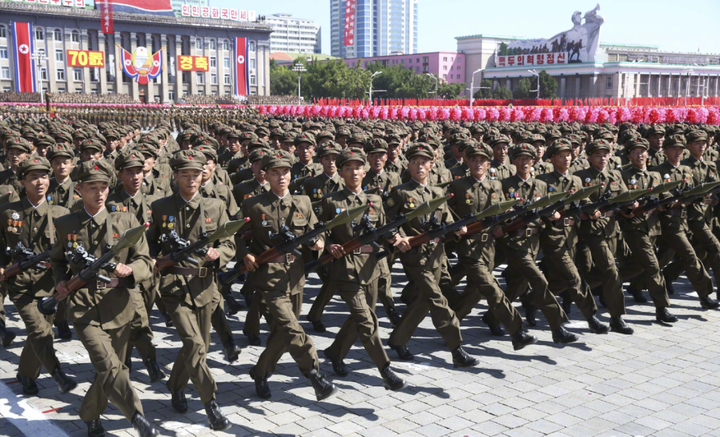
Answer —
154 7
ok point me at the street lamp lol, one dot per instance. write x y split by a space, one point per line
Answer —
472 86
535 73
39 57
436 83
299 67
371 90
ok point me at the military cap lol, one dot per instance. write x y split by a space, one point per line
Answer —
393 140
289 137
93 144
247 136
129 159
575 139
112 135
696 135
63 150
324 134
350 154
147 149
18 143
276 132
61 136
343 132
262 131
523 149
550 135
477 148
188 160
43 140
208 151
498 139
33 163
258 154
92 171
258 142
306 137
533 138
465 143
233 133
100 137
596 145
559 145
637 142
420 149
356 138
377 145
329 148
276 159
674 141
604 135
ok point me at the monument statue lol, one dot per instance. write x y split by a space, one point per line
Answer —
581 42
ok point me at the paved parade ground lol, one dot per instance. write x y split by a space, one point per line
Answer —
662 381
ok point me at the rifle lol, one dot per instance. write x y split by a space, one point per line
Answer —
371 234
28 260
184 249
626 198
297 183
91 267
542 207
655 202
291 243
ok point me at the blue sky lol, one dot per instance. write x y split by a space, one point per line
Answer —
673 25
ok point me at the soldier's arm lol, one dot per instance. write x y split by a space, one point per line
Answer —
312 220
58 263
392 208
153 233
5 259
225 246
138 258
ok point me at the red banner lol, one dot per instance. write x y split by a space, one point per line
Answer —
23 50
241 70
106 16
350 9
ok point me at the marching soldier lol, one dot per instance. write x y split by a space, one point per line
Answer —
499 167
30 227
101 313
18 149
305 147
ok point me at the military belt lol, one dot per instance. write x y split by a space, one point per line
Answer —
526 232
363 249
682 213
288 258
189 271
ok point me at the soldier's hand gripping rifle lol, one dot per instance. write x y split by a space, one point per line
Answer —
653 201
291 242
91 267
371 234
606 203
28 260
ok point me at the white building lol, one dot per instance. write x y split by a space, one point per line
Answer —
296 35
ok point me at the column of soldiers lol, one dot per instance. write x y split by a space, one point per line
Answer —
73 184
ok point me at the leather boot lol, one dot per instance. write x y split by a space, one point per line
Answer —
154 371
28 385
562 335
390 380
495 329
261 384
662 315
232 351
403 353
597 327
179 403
233 305
338 365
217 420
318 326
95 428
617 324
637 295
707 303
64 332
6 336
143 426
522 338
462 359
253 339
65 384
323 388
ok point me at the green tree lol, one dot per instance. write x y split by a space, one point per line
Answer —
502 93
503 49
450 90
283 81
548 86
399 82
485 91
522 91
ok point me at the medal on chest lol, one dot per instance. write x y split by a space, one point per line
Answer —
666 177
264 219
72 241
468 200
411 202
587 182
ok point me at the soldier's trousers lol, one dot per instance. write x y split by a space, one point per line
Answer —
256 309
286 335
427 297
38 350
644 262
141 335
219 320
481 283
193 327
677 243
107 349
3 293
446 284
605 272
385 285
521 256
562 275
707 249
323 298
362 322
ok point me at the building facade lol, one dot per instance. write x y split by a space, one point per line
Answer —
293 35
177 4
618 70
58 30
382 28
447 66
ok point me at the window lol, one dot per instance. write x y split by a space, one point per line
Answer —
171 95
77 74
444 58
75 36
200 77
61 90
213 62
451 76
43 73
57 35
5 73
226 62
410 61
226 79
252 79
213 78
211 44
59 56
444 67
226 44
199 43
444 76
609 83
2 32
3 53
251 46
60 74
252 64
39 34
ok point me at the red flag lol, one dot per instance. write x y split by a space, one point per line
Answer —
241 70
349 35
106 16
23 49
